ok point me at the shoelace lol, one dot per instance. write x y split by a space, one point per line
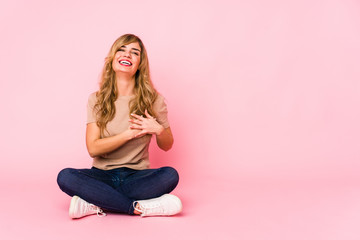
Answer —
99 211
149 208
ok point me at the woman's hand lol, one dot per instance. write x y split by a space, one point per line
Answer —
147 125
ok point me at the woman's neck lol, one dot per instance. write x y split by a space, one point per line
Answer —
125 85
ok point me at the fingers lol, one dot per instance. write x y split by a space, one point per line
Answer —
138 127
147 114
147 124
137 116
140 134
135 121
141 117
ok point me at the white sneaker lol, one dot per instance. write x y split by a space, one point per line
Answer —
80 208
165 205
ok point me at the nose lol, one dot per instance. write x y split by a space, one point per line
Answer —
127 54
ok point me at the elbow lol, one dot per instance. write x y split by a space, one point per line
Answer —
168 146
93 149
93 155
166 149
92 152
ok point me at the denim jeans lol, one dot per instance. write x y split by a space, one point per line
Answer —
116 190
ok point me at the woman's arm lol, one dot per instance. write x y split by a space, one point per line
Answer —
97 146
165 139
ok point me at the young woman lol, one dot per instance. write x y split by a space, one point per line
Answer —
121 119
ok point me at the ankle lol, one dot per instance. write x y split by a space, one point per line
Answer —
136 212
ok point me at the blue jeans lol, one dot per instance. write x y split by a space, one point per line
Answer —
116 190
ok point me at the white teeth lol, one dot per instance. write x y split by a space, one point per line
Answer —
126 63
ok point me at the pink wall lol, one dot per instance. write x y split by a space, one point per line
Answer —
256 88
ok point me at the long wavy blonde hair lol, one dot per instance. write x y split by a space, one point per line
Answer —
145 93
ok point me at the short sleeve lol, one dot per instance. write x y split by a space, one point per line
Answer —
160 108
91 117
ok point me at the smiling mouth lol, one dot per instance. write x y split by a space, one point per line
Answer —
125 63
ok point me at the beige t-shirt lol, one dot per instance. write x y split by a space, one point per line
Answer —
134 153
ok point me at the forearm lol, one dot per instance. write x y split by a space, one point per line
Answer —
164 139
105 145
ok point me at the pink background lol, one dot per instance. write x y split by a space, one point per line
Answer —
263 100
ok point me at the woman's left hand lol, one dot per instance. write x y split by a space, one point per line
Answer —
147 125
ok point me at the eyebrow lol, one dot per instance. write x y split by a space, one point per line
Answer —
131 48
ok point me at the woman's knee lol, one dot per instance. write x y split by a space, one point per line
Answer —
63 177
172 176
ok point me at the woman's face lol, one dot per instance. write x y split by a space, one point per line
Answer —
127 59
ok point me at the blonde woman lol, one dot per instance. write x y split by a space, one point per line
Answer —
121 119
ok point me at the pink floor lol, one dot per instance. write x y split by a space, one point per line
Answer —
215 208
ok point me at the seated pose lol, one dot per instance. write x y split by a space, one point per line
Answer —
122 116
